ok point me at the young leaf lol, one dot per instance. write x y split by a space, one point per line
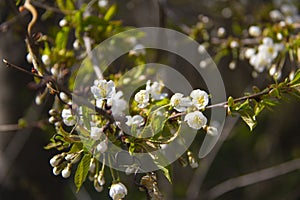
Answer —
249 120
82 171
110 13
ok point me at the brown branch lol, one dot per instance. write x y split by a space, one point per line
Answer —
252 178
9 127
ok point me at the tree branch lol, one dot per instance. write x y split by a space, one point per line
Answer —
252 178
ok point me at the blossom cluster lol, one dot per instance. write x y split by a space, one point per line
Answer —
266 52
193 105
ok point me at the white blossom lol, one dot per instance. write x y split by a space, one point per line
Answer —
254 31
199 98
117 191
68 118
179 102
138 50
276 15
118 105
102 3
155 90
195 120
103 89
142 98
137 120
102 146
96 132
249 53
289 9
267 52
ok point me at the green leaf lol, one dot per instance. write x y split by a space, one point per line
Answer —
82 171
296 79
110 12
155 122
61 39
65 4
76 147
18 2
163 164
249 120
167 171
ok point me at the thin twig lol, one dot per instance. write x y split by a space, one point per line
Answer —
252 178
9 127
21 69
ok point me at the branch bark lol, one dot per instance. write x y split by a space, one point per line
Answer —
252 178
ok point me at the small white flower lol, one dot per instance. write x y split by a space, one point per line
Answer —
142 98
179 102
63 22
254 31
102 146
137 120
249 53
155 90
289 9
138 50
117 191
68 118
276 15
199 98
195 120
103 89
102 3
46 59
96 132
118 105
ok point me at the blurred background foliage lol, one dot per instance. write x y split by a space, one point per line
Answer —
25 172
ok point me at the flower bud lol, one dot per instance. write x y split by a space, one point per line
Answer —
66 172
92 165
63 96
221 32
52 120
55 160
101 179
254 31
56 170
46 59
29 58
63 22
98 188
76 44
